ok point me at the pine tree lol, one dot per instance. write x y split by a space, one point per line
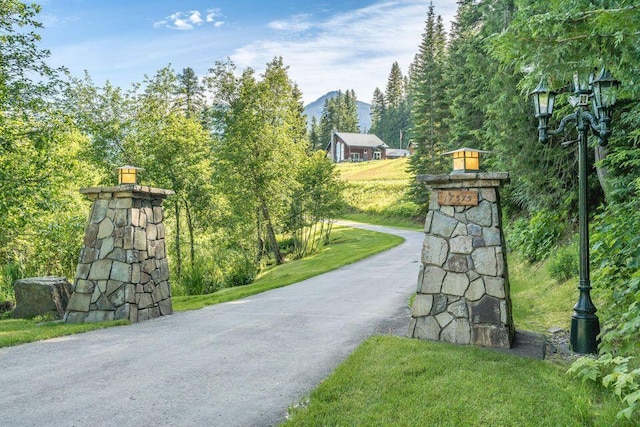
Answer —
428 103
394 93
377 109
191 93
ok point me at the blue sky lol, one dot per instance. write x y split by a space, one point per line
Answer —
328 45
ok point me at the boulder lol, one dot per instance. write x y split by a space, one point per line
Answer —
41 295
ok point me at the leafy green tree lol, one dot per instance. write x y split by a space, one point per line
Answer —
316 201
264 140
27 83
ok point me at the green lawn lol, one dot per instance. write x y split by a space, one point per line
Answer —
348 245
21 331
392 381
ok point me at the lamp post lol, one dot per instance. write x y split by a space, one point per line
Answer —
593 102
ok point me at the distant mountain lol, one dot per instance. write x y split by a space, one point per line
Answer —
315 110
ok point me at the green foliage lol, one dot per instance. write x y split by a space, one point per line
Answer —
536 237
564 263
9 273
620 375
199 278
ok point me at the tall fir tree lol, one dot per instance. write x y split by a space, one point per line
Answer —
377 108
395 93
428 104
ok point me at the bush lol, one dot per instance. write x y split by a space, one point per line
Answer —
536 237
199 279
9 273
241 272
564 263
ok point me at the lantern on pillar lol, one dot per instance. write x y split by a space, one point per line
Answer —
128 174
466 159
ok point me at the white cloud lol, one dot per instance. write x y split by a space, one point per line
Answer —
195 18
189 20
212 14
352 50
294 23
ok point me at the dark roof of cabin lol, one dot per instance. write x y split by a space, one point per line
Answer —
361 140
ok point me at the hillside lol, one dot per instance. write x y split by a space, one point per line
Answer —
315 110
381 170
376 192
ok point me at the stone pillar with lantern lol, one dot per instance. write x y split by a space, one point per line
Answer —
122 272
462 293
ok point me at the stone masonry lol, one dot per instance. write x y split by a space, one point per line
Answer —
463 285
122 271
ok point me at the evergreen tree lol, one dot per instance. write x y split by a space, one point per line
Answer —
394 93
340 113
190 93
314 135
428 133
377 108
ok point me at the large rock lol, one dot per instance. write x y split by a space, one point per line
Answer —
41 295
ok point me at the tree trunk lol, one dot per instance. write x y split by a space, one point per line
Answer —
601 153
271 234
190 227
178 254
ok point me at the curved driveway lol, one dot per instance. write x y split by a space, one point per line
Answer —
241 363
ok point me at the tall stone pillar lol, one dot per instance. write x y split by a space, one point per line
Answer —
463 285
123 271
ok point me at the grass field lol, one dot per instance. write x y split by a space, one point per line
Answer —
376 193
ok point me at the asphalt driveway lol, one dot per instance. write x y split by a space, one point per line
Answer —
241 363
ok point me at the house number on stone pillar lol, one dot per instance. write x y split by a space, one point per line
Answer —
463 285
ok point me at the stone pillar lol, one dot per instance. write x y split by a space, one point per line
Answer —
463 286
123 271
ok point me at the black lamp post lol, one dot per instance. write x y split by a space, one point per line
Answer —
593 103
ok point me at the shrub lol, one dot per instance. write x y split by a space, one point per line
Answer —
535 237
564 263
200 279
9 273
242 271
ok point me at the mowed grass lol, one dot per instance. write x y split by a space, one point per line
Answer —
392 381
22 331
375 170
348 245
